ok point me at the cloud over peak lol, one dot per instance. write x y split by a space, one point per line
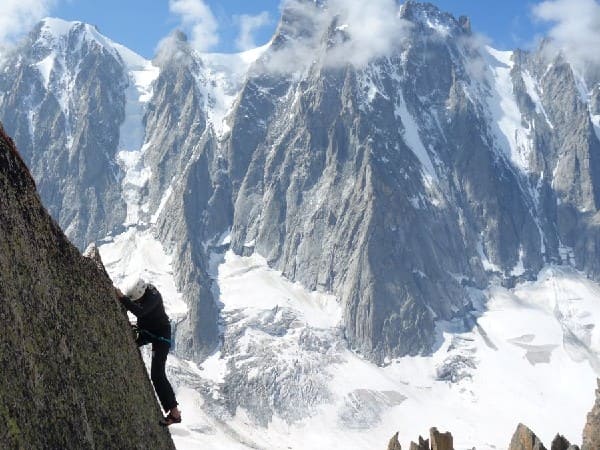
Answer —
358 32
19 16
197 18
575 28
248 25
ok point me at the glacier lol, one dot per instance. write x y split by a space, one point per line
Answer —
541 333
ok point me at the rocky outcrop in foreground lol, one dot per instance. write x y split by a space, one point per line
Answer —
439 441
523 438
71 376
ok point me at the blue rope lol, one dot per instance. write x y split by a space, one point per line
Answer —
154 336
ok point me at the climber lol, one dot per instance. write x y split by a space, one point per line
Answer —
153 326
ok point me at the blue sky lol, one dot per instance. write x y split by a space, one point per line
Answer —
141 24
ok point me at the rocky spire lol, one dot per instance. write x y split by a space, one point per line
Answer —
394 444
591 432
440 441
561 443
525 439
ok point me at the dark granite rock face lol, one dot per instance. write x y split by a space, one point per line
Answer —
71 374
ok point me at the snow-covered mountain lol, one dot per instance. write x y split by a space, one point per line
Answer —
429 195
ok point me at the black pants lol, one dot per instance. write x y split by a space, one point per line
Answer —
160 350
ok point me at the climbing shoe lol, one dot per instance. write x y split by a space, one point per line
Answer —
170 419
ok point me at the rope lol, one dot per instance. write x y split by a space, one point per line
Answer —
152 335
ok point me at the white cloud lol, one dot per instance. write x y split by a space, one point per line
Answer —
197 19
364 31
475 46
575 29
248 26
19 16
374 29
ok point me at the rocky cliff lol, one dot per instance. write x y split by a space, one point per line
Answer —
71 374
352 169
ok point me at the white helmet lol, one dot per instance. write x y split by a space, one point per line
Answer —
137 289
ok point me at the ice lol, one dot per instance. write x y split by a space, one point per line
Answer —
413 140
519 268
132 60
248 282
161 206
487 264
138 93
214 368
510 136
221 81
596 122
45 67
250 56
136 177
532 91
54 29
131 146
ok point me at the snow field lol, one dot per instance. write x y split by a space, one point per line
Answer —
523 370
249 283
526 365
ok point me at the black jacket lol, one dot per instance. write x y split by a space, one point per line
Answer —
150 312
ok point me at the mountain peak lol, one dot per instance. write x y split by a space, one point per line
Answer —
53 37
430 16
175 48
54 33
53 28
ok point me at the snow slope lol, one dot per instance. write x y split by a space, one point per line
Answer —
516 364
131 148
528 353
221 81
510 135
